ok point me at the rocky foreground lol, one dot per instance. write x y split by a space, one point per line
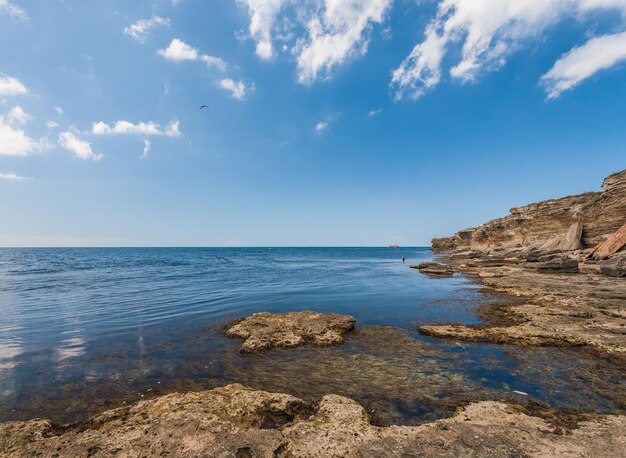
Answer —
566 258
235 421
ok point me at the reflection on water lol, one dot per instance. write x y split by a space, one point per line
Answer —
85 330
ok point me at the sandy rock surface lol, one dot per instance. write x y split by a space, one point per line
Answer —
235 421
264 331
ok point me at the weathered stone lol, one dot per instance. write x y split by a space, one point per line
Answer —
612 245
552 224
615 266
263 331
587 309
434 269
235 421
556 264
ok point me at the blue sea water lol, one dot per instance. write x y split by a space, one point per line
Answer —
81 328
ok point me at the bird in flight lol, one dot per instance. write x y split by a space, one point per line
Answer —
204 106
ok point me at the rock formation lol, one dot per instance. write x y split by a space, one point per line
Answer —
235 421
263 331
569 223
545 253
434 269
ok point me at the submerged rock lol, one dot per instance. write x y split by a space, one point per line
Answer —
263 331
434 269
235 421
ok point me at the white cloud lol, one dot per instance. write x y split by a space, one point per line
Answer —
337 34
335 30
321 127
580 63
10 86
149 128
489 32
146 149
179 51
52 125
59 110
15 142
18 116
139 30
237 89
79 148
375 112
11 176
173 129
263 15
10 9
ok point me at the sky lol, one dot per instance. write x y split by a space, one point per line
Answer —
329 122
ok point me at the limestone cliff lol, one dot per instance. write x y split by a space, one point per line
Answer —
569 223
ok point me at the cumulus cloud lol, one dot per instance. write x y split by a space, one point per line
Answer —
489 31
7 8
335 30
79 148
580 63
15 142
149 128
140 29
237 89
337 34
18 116
59 110
11 176
179 51
10 86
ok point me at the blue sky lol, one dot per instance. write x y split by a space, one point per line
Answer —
354 122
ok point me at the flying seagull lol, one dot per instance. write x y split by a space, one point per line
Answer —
204 106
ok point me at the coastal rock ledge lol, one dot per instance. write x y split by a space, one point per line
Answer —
566 258
235 421
264 331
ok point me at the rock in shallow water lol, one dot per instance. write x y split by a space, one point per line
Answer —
263 331
236 421
434 269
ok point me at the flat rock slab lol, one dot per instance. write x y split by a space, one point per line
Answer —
264 331
434 269
235 421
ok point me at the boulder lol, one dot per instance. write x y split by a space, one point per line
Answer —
614 266
263 331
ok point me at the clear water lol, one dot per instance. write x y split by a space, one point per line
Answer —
86 329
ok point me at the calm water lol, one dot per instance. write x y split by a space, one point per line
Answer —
86 329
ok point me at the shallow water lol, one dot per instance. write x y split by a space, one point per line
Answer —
82 330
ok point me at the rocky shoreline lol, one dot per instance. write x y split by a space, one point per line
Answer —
565 258
235 421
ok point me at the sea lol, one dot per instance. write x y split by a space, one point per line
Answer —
83 330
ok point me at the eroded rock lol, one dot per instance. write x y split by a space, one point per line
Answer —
263 331
569 223
233 421
615 266
434 269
